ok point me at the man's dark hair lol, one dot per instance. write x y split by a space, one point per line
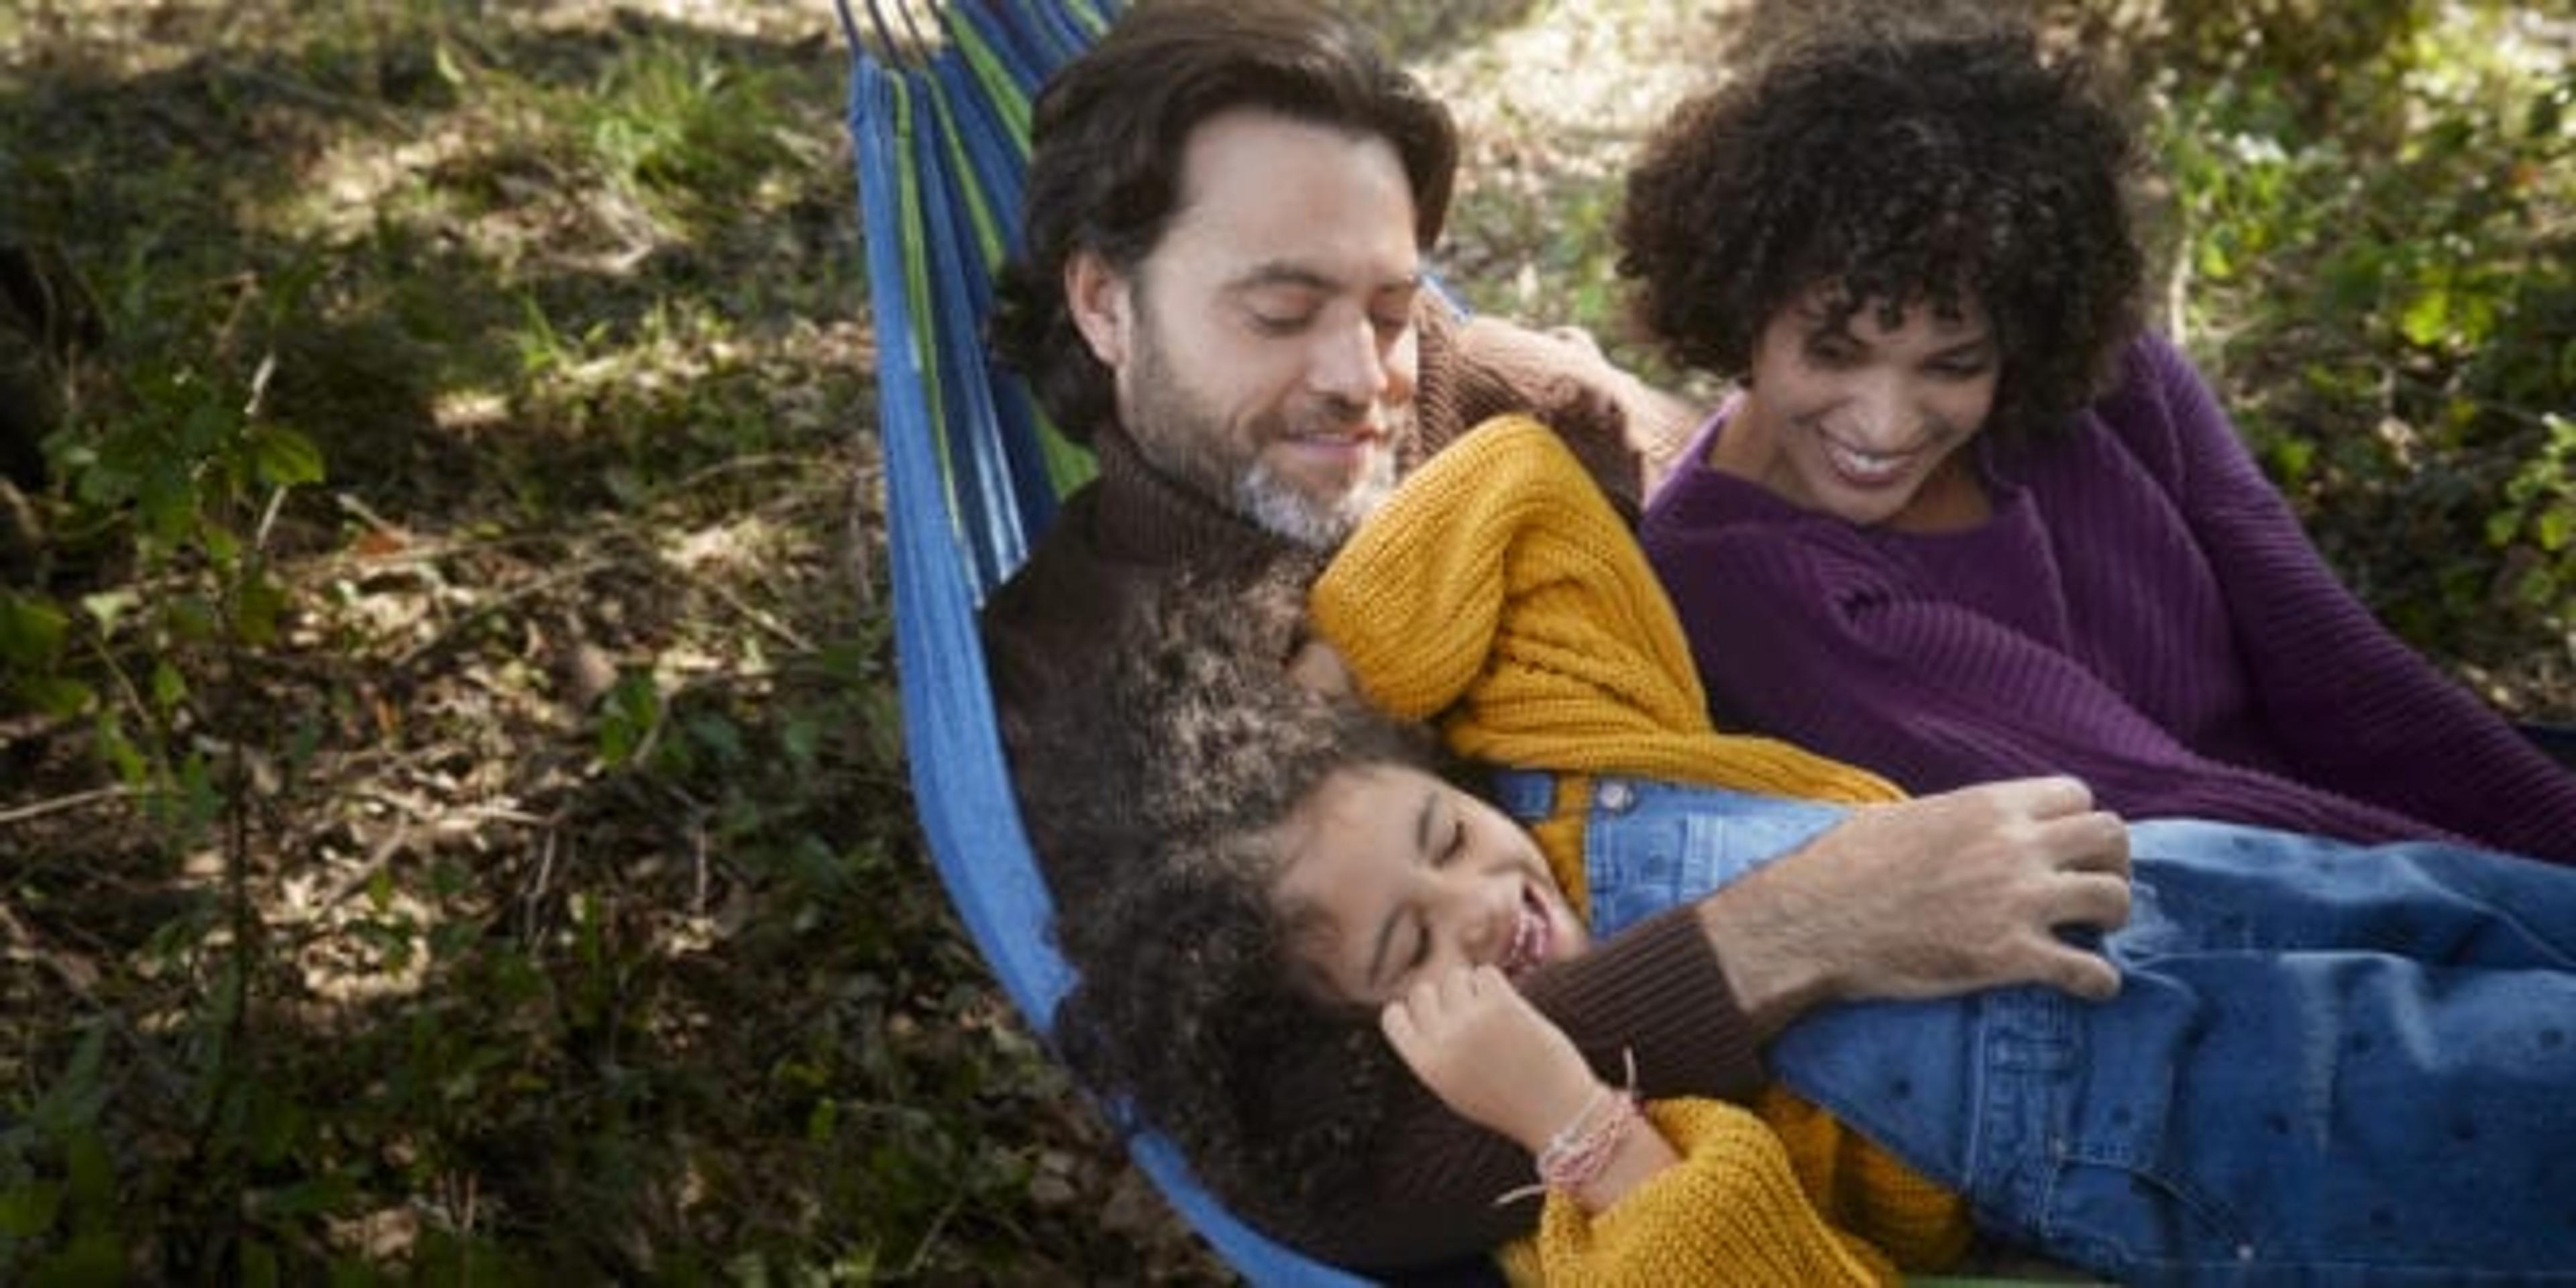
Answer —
1107 145
1896 167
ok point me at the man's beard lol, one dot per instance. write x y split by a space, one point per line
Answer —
1189 443
1284 512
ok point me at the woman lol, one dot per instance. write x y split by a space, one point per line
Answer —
1963 521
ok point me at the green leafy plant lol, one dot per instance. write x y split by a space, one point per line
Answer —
2384 304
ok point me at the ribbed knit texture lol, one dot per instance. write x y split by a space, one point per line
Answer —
2143 611
1658 990
1908 1217
1729 1213
1498 591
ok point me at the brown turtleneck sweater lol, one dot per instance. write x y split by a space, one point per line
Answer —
1656 990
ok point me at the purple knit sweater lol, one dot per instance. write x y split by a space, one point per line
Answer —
2142 611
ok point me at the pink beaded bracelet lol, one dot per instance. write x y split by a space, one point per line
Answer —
1578 1155
1581 1150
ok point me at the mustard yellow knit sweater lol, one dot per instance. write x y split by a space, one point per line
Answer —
1498 592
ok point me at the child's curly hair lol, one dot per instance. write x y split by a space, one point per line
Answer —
1193 1004
1195 1020
1894 166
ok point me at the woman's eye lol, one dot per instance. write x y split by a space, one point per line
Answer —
1280 323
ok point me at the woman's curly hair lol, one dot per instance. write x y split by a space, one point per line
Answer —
1892 167
1193 1006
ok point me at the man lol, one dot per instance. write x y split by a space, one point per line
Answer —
1223 294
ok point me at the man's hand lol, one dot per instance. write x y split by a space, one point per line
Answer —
1489 1055
1927 898
1651 423
1318 667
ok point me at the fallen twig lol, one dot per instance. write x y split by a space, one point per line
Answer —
348 885
61 804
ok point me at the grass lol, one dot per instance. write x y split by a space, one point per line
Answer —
455 824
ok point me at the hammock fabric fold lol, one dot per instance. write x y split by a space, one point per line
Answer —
972 475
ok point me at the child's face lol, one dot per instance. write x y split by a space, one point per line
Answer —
1397 875
1867 419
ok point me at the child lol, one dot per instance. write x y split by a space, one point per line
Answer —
1204 1005
1917 540
2321 1056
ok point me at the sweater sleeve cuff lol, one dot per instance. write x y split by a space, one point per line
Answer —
1730 1211
1658 991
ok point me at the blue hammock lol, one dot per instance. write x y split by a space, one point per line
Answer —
972 474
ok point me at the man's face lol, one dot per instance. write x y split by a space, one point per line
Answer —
1264 351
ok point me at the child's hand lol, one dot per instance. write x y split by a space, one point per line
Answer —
1319 667
1489 1055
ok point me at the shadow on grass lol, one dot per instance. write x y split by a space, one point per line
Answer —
550 300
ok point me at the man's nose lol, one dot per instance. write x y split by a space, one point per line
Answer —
1350 363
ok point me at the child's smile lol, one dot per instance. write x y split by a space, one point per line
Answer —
1393 872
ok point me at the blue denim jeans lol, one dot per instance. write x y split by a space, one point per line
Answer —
2326 1064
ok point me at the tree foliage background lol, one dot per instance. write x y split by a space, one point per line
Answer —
452 818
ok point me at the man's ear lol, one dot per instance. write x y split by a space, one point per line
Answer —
1097 296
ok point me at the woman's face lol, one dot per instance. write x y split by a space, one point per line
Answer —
1865 421
1396 875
